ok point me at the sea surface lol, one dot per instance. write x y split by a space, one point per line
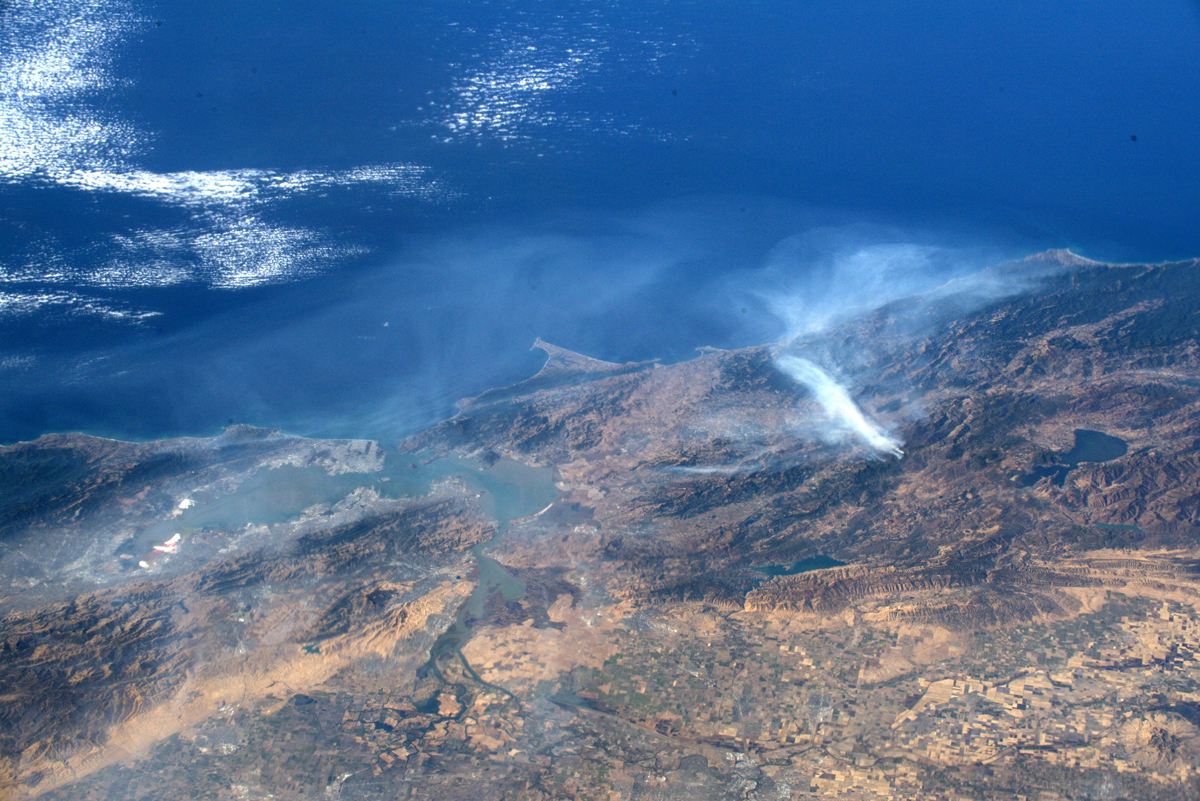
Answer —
340 218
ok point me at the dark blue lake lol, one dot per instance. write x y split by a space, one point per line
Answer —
818 562
1090 446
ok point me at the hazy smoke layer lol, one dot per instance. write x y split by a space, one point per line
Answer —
816 279
386 349
840 409
907 281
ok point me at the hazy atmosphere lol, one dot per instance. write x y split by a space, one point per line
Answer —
344 218
480 400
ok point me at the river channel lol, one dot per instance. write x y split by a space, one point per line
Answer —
510 491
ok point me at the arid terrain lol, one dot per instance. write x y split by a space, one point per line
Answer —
709 579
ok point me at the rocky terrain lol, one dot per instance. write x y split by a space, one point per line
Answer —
94 675
699 469
1011 605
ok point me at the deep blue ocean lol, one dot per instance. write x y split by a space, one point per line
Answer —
338 218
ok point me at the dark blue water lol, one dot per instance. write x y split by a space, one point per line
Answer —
615 177
818 562
1090 446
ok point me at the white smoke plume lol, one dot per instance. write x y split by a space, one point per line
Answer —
841 412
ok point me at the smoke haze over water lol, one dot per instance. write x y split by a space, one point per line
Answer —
343 220
383 350
817 278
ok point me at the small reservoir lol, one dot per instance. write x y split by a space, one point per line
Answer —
1090 446
818 562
